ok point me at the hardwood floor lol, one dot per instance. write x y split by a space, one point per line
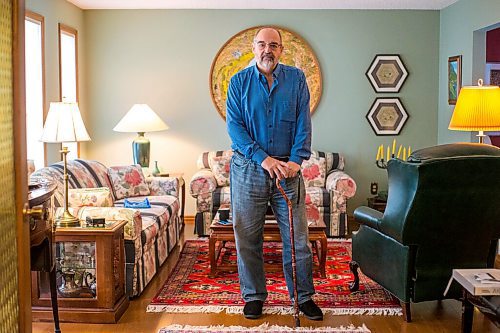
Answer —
431 317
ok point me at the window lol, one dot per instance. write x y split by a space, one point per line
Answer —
68 73
35 94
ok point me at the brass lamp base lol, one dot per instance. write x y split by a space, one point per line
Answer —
67 220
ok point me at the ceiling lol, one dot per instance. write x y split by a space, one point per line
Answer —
262 4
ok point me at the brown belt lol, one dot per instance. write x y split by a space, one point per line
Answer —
281 158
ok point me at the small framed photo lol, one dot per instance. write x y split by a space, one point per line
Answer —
387 73
387 116
454 78
492 76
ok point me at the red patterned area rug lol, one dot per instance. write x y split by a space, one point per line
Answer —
261 328
188 289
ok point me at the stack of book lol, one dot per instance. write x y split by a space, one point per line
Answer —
478 282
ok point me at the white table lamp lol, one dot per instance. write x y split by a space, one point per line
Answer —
64 124
141 118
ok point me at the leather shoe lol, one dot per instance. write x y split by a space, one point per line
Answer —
253 309
311 310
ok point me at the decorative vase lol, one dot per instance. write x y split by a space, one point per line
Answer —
156 170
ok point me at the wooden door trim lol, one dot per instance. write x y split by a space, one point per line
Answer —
21 181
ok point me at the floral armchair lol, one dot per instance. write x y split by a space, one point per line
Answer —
327 189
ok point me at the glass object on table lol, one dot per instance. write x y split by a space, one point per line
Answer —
156 170
76 269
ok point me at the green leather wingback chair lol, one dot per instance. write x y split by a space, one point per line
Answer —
443 212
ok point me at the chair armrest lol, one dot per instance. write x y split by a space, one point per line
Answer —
341 182
163 185
368 216
132 229
203 181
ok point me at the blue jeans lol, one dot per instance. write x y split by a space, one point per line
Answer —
251 190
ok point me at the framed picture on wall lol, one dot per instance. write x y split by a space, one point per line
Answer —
492 74
387 73
454 78
387 116
236 54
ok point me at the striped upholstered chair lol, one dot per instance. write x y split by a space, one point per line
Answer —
327 189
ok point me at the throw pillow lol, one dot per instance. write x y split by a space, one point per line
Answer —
95 197
128 181
220 168
314 171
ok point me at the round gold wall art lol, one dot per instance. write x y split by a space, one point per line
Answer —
236 54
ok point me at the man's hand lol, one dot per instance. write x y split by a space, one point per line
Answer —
276 168
293 169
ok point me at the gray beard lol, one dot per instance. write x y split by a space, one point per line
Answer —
267 64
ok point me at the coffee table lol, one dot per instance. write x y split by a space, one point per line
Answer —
222 233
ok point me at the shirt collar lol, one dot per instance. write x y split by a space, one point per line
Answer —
276 71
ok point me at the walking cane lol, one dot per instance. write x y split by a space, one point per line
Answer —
294 262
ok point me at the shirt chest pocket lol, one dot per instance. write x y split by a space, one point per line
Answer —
287 119
288 112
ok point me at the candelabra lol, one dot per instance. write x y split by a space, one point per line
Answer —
381 163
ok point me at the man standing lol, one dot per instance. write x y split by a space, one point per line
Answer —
269 123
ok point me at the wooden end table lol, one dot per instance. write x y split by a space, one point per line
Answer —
488 305
90 263
377 204
222 233
41 214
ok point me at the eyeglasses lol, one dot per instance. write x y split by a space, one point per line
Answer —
272 46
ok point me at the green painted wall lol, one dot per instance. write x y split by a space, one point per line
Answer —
462 32
55 12
163 58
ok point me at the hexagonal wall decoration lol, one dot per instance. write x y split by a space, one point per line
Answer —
387 73
387 116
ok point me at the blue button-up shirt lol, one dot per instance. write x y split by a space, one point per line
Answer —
264 122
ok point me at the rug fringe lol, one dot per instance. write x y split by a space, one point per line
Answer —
275 310
186 309
263 328
365 312
331 240
339 240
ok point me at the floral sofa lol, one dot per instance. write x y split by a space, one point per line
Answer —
327 189
97 191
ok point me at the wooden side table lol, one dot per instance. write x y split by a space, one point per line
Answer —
484 296
488 305
222 233
90 266
377 204
42 238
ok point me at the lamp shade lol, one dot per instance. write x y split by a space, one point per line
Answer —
64 124
477 109
140 118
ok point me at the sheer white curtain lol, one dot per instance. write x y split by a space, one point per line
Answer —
68 68
34 90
